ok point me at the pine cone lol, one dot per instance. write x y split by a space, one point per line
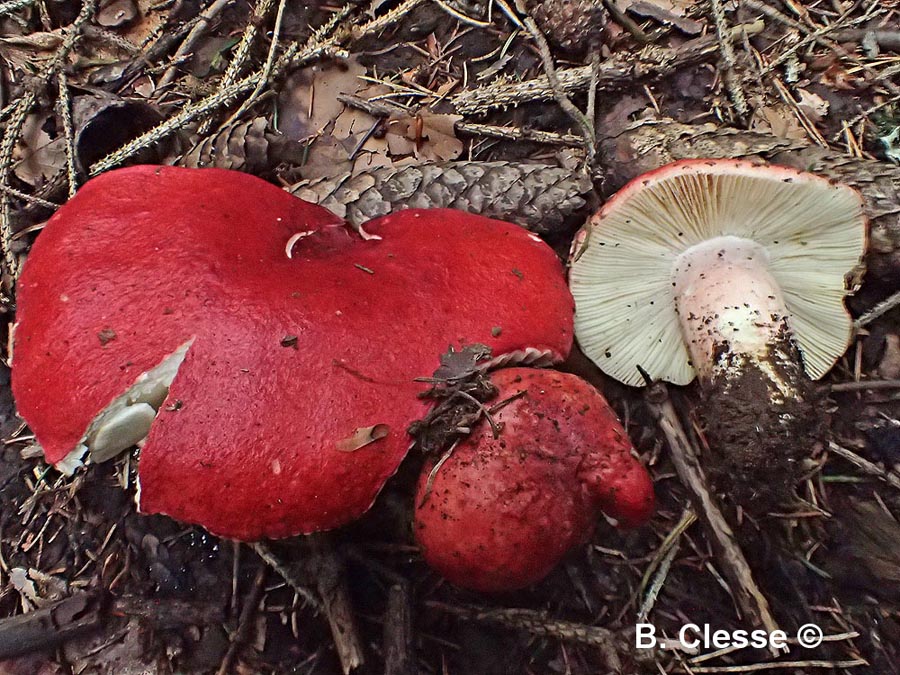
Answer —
571 25
537 196
240 147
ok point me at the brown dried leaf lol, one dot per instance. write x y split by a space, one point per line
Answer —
40 157
150 19
780 121
434 136
813 105
308 101
362 437
666 13
457 365
327 158
38 41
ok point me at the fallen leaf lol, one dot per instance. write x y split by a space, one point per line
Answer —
779 121
666 13
326 158
812 104
434 136
40 156
308 101
150 20
362 437
458 365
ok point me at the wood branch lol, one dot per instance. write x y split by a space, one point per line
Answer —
610 643
399 654
749 598
44 629
647 146
617 71
330 574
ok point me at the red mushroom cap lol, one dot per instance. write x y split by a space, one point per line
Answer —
501 512
289 359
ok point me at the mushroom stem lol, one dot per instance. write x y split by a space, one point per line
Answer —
760 406
733 314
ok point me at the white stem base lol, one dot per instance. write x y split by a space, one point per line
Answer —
732 311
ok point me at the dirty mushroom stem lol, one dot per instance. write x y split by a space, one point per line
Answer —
732 312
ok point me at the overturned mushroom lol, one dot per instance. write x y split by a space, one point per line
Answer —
501 511
736 273
159 302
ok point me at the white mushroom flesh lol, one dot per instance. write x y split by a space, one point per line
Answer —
805 234
729 304
126 421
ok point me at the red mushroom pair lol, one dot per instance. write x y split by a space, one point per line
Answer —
271 395
264 357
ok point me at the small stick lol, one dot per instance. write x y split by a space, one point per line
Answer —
44 629
863 385
536 623
627 22
329 572
272 561
267 68
562 98
778 665
251 607
260 12
516 134
878 310
886 39
184 49
652 61
399 655
821 40
732 82
750 599
865 465
14 6
64 108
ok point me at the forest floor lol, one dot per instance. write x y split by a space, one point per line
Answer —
601 90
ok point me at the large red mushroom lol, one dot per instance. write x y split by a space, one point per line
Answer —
270 392
503 508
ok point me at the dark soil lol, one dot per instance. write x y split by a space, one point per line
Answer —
756 438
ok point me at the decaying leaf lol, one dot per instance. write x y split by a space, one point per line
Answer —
308 101
40 156
812 104
434 136
666 13
458 365
148 21
780 121
362 437
29 52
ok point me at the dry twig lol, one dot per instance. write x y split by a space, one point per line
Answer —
749 597
652 61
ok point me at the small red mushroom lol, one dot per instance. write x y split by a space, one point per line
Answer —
271 392
502 511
